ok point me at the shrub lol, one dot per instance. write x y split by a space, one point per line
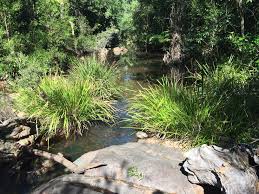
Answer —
63 106
219 104
104 76
30 69
68 104
27 70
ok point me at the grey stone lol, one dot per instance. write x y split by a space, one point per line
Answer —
229 170
20 132
130 168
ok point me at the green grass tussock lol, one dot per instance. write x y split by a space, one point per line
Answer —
170 109
65 105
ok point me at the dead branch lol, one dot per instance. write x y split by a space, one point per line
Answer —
59 159
65 162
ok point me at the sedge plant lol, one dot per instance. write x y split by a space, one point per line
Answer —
66 105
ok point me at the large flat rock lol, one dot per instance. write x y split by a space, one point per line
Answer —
129 168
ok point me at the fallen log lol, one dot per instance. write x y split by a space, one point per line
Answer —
59 158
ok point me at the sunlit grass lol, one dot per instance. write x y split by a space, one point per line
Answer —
66 105
170 110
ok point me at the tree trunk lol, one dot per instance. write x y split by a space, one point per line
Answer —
175 53
58 158
242 16
242 22
6 27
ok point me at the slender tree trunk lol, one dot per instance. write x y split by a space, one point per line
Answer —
68 164
241 15
242 22
6 26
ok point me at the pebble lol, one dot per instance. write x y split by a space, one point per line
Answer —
141 135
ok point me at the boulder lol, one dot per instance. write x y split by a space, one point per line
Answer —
20 132
119 51
110 55
130 168
231 170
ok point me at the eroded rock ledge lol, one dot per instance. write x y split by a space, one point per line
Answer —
151 168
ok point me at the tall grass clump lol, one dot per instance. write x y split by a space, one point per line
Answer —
64 107
172 110
219 105
67 104
104 76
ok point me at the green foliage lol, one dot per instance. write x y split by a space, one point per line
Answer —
67 105
2 70
160 39
171 110
246 47
218 105
27 70
42 37
238 90
151 21
204 25
64 107
207 23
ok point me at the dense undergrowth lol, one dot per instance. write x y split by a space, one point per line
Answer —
219 107
66 105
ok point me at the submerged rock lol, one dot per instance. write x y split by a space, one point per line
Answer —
129 168
232 170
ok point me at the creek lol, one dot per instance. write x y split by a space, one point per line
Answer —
137 74
133 77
